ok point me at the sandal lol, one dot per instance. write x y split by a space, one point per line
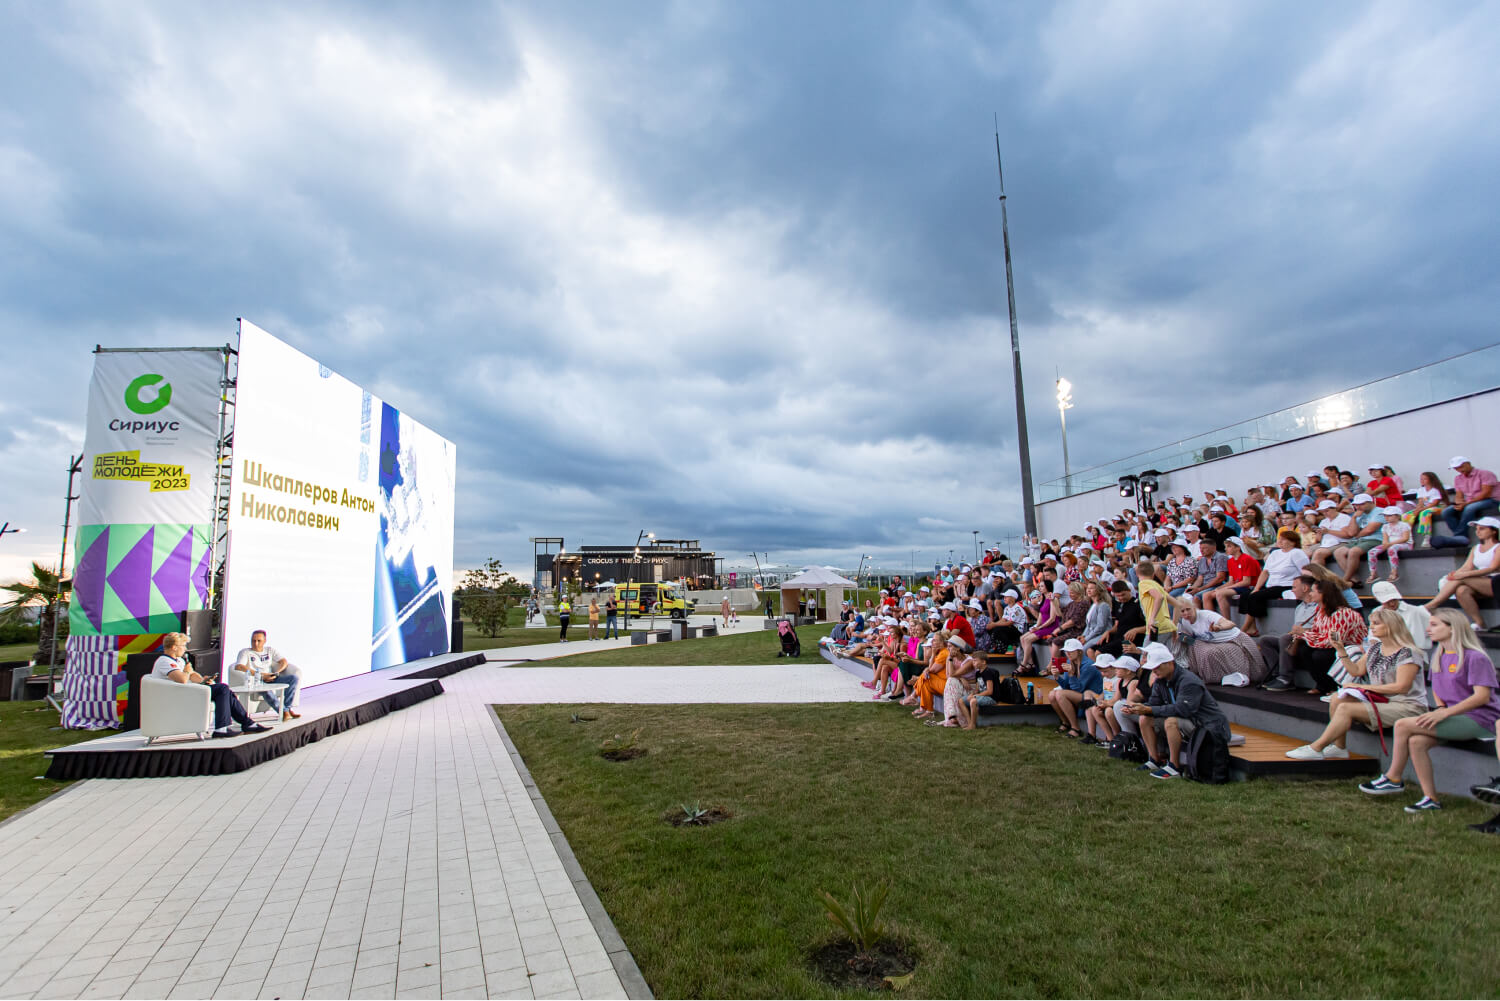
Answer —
1062 730
1392 576
1074 734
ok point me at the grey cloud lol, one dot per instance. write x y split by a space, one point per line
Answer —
764 237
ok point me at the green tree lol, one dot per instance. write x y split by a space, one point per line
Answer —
487 595
40 592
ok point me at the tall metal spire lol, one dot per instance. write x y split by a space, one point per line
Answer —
1022 440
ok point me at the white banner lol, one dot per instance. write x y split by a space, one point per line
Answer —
148 491
149 448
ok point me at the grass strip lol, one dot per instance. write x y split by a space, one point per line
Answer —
749 644
26 730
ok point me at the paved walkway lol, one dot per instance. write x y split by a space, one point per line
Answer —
404 858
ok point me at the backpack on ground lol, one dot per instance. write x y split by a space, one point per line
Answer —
1009 691
1128 747
1207 759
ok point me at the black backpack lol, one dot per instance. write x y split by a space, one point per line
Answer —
1128 747
1207 759
1009 691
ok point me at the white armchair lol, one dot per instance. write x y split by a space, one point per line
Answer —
169 708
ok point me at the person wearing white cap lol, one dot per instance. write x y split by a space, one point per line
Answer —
1297 498
1077 680
1415 616
1395 539
1130 685
1476 578
1384 486
1368 522
1335 529
1474 496
1178 706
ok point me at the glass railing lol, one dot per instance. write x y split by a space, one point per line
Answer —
1462 375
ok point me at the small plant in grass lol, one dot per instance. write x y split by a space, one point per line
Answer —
861 921
622 748
866 954
696 815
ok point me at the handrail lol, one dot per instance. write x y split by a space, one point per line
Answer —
1448 378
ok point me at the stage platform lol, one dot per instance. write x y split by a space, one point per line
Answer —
327 709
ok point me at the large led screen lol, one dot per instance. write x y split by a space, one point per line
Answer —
340 520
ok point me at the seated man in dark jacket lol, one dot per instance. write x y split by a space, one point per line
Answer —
1179 705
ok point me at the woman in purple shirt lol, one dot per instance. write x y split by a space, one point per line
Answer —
1467 694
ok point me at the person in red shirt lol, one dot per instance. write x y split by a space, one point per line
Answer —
958 624
1383 487
1243 572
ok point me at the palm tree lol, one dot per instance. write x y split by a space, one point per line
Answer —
43 591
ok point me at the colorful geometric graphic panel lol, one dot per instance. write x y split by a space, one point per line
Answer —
134 579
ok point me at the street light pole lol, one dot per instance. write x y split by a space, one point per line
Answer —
976 547
1023 445
1064 404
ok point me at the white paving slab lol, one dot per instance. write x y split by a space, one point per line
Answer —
403 858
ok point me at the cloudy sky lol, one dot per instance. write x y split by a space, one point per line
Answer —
732 271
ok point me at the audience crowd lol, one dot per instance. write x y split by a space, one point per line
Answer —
1137 614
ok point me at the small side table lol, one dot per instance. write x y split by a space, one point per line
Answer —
247 692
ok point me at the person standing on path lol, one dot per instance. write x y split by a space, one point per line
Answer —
724 611
611 616
593 618
564 613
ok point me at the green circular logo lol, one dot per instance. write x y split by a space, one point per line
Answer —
138 384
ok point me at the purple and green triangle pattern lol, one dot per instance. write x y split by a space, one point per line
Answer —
138 578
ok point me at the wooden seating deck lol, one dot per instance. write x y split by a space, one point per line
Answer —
1264 753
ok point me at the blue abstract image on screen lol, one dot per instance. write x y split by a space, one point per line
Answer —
415 480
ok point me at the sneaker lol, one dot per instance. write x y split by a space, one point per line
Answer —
1381 786
1149 766
1487 793
1305 753
1423 805
1335 751
1165 772
1278 685
1491 826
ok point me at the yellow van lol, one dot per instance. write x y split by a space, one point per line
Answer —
647 599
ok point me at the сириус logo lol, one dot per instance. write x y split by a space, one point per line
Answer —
145 396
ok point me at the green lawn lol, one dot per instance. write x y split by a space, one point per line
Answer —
1021 864
25 732
749 644
516 633
17 651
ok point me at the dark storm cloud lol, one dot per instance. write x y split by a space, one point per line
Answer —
732 272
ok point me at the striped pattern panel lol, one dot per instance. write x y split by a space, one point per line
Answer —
91 683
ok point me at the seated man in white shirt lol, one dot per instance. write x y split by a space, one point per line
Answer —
265 663
173 666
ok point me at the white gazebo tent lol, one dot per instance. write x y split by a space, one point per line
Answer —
822 579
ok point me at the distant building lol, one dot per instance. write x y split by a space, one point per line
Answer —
665 559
